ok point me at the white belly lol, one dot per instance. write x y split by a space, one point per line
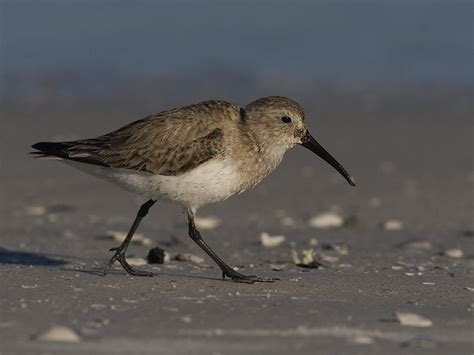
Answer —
210 182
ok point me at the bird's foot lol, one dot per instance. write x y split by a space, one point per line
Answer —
248 279
120 257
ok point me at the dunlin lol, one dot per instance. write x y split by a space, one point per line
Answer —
193 155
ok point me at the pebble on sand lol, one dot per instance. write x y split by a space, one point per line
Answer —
375 202
362 339
326 220
189 257
271 241
453 253
413 320
119 237
287 221
53 210
157 256
207 223
313 242
330 258
187 319
36 211
417 245
393 225
60 334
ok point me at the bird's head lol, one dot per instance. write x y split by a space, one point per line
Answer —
278 123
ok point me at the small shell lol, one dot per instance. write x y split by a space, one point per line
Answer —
326 220
413 320
60 334
362 339
271 241
453 253
393 225
287 221
307 257
189 257
36 211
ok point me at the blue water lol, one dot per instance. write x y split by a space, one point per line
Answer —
335 40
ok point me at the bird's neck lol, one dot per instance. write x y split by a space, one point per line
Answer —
261 158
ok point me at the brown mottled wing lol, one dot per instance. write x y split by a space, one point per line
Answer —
169 143
151 154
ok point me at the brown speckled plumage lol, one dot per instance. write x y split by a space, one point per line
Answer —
176 141
168 143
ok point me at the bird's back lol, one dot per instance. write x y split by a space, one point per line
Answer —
168 143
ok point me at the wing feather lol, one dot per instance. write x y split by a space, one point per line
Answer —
168 143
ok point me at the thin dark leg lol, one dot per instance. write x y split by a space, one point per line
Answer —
120 251
226 269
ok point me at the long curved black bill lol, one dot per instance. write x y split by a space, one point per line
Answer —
309 142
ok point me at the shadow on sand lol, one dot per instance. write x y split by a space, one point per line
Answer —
99 272
14 257
28 258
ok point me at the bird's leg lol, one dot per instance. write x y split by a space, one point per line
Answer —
226 269
120 251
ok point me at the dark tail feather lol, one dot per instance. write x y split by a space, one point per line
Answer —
65 151
50 148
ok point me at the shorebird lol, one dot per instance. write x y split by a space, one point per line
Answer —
193 155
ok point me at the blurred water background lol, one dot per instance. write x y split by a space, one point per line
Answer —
163 53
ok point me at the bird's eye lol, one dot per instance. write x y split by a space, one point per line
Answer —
286 119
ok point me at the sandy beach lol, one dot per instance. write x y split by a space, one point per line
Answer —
405 244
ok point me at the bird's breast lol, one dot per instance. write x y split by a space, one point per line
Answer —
258 165
213 181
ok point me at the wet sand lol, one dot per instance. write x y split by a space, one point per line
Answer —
413 163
